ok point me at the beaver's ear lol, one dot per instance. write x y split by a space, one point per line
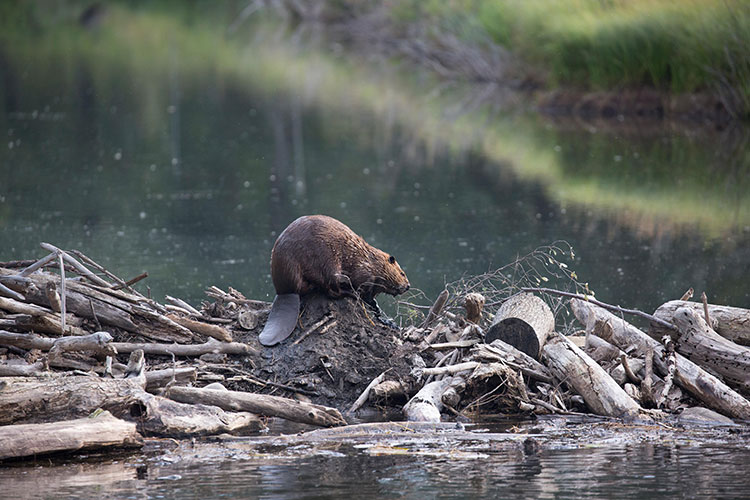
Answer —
392 259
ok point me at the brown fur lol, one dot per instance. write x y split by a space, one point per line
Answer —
316 252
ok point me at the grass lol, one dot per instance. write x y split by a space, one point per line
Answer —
673 45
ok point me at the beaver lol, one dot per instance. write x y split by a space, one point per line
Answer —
320 253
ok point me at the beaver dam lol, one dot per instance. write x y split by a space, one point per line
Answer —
87 361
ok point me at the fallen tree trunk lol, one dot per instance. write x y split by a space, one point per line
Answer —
732 323
701 384
261 404
702 345
102 431
524 321
600 392
37 318
55 398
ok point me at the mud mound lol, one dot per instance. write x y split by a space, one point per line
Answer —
337 348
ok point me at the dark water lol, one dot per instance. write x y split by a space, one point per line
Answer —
662 468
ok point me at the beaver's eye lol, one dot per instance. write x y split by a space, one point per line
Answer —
392 259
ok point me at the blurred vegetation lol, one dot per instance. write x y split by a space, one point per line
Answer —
673 45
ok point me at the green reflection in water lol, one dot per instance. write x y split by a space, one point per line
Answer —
158 141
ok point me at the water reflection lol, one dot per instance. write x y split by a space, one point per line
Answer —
148 157
647 469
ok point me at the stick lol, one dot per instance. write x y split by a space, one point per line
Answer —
456 344
688 294
646 388
635 312
366 393
704 299
77 265
628 372
313 328
62 293
121 283
181 303
436 308
38 264
671 368
451 369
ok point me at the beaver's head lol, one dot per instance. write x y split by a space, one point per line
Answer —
394 278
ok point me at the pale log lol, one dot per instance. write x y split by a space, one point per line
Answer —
426 405
261 404
602 394
523 321
212 346
40 319
701 344
167 418
698 382
159 378
732 323
500 351
102 431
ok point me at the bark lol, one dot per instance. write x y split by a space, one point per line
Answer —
523 321
600 392
109 307
167 418
212 346
24 399
269 406
33 317
701 344
698 382
102 431
732 323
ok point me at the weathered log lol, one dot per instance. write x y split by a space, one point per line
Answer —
38 400
732 323
212 346
167 418
261 404
366 393
23 369
109 308
500 351
426 405
389 390
602 394
40 319
701 344
98 343
523 321
199 327
159 378
101 431
698 382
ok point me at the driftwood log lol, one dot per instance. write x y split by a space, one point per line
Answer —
523 321
701 344
732 323
698 382
576 368
103 430
426 405
46 399
106 306
261 404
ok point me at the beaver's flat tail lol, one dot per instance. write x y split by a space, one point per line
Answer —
281 320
